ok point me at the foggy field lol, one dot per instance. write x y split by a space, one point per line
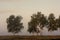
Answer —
29 19
29 37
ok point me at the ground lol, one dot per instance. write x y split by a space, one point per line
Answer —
17 37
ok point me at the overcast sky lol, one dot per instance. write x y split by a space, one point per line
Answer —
26 8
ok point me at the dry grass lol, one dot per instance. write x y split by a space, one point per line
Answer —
17 37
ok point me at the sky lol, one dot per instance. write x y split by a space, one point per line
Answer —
26 8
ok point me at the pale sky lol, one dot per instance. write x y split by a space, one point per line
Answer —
26 8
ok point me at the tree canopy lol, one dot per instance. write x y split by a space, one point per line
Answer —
37 20
42 21
14 24
51 22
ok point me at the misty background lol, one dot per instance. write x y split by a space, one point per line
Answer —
26 8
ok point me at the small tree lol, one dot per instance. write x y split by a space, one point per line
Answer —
14 24
51 23
58 22
32 25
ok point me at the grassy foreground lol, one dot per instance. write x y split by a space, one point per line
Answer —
16 37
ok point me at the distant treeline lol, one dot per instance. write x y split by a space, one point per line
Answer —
37 23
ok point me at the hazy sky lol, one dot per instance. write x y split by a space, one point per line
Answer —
26 8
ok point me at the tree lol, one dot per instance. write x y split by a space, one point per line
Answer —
14 24
58 22
37 20
52 22
32 25
42 21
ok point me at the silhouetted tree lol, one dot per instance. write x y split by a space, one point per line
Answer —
58 22
42 21
37 20
52 22
32 25
14 24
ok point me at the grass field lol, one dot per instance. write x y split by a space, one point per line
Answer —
16 37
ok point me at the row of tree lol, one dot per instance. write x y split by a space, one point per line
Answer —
38 21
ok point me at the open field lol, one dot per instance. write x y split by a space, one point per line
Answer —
29 37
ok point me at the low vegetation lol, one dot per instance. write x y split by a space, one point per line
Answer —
29 37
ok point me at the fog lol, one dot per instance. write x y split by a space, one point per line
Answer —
26 8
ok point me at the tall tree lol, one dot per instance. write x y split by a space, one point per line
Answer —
14 24
52 22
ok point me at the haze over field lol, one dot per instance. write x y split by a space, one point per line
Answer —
26 8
